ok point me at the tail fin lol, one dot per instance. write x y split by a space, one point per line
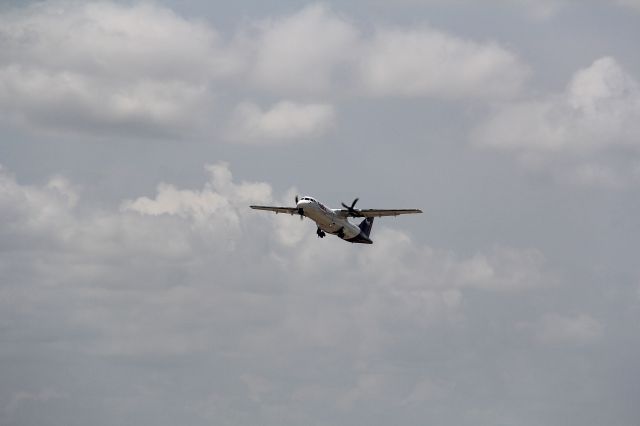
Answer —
365 226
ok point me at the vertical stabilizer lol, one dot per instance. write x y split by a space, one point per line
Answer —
365 226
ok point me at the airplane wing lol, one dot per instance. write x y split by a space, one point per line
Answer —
376 212
290 210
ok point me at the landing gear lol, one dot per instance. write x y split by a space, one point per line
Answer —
320 233
340 232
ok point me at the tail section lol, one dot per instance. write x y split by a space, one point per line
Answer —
365 230
365 226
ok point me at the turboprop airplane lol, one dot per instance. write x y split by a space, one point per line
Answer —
336 221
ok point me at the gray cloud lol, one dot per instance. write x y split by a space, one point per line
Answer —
330 52
427 62
144 70
101 66
282 122
167 277
587 135
137 289
303 52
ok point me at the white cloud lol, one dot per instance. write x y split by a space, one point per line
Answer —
101 37
318 51
427 62
106 67
70 101
282 122
143 70
582 135
303 52
35 215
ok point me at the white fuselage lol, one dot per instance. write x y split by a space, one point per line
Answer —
326 218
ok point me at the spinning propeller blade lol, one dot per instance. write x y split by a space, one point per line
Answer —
351 208
300 211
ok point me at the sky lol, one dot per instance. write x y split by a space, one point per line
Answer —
137 287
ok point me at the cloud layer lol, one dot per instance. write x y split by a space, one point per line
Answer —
138 288
143 70
196 274
588 134
101 67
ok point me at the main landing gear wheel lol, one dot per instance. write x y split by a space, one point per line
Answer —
320 233
340 233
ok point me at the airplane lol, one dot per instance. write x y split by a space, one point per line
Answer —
336 221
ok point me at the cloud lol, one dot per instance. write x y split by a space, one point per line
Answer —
431 63
318 51
116 68
253 312
519 269
72 102
168 274
142 70
284 121
195 272
303 52
587 134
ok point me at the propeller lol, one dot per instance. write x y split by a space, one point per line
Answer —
300 211
351 208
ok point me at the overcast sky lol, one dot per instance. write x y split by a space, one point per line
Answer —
137 287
